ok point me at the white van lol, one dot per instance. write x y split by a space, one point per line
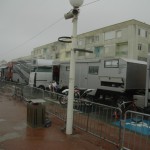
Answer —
41 73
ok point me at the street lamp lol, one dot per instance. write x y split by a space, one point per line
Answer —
72 14
76 3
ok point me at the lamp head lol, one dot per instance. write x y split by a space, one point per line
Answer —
76 3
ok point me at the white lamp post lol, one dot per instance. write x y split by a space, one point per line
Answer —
72 14
76 3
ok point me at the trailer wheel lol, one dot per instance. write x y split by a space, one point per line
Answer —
122 99
41 87
88 100
63 99
77 98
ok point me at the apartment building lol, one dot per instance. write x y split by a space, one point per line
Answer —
129 39
25 58
49 51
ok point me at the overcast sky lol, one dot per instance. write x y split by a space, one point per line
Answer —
22 20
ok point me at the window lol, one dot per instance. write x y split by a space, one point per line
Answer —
89 39
80 53
33 69
42 69
34 62
148 48
44 50
80 42
118 34
122 49
39 51
142 33
146 34
142 58
67 54
139 31
96 38
93 70
57 55
67 68
139 46
63 45
53 48
111 63
92 39
98 50
109 35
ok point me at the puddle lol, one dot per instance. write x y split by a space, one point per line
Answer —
20 126
1 120
9 136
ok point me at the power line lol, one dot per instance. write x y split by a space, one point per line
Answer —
90 3
51 25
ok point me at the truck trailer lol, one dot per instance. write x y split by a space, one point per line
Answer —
116 79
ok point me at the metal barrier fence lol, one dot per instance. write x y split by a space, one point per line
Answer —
136 131
133 132
96 119
17 89
32 93
2 83
53 106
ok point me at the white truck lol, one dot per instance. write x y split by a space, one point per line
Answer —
114 78
41 73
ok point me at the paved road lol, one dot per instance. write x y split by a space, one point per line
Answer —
16 135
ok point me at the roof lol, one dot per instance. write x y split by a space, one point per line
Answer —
42 62
134 61
117 26
2 67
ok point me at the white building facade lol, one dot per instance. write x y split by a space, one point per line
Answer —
129 39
